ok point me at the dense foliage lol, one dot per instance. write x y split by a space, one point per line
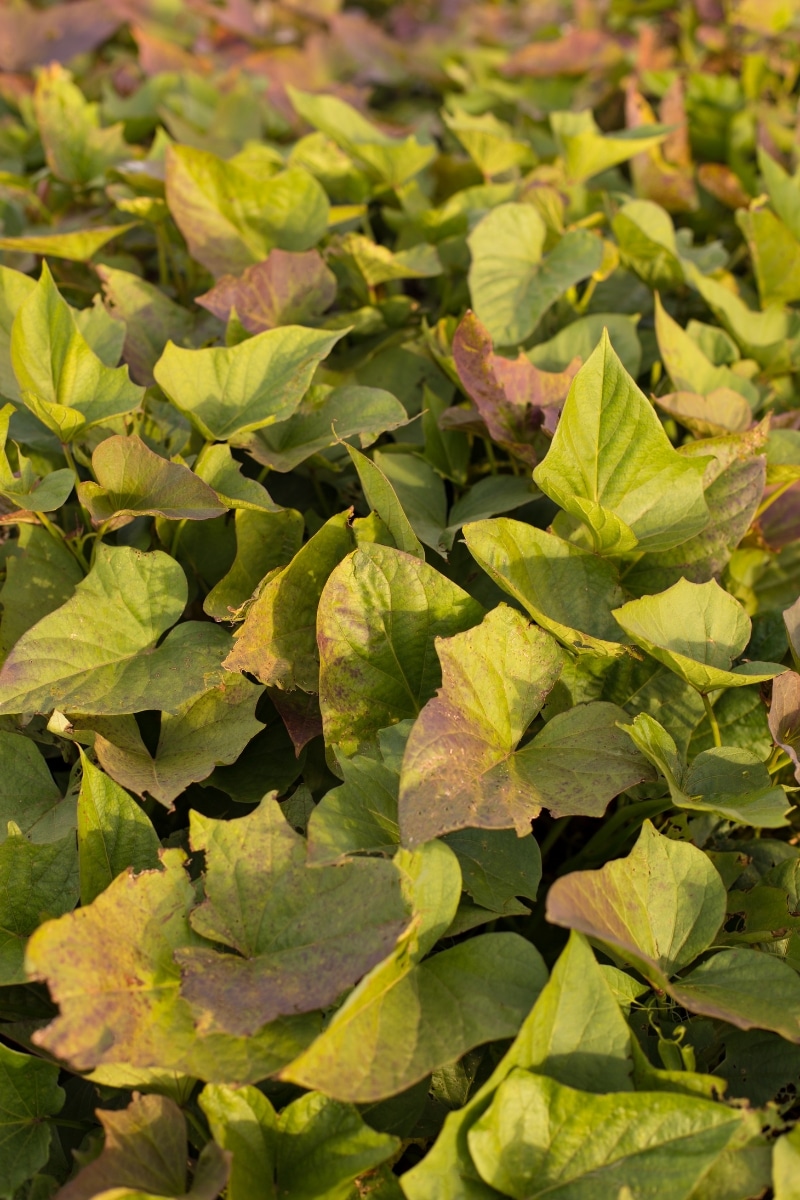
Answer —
400 510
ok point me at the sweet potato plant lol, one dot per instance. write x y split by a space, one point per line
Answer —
400 545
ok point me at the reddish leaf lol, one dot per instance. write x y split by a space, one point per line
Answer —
285 289
30 37
784 716
300 713
780 524
576 52
514 398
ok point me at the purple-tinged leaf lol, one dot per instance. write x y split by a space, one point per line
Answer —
784 716
285 289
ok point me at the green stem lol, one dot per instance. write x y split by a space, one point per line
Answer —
778 760
177 538
712 720
490 455
60 536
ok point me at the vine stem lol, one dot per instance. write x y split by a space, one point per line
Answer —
712 720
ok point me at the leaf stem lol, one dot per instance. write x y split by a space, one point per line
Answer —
60 536
778 760
712 720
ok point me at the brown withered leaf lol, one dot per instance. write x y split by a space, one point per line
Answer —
513 397
287 288
664 173
723 184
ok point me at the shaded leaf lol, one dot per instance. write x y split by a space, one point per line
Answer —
382 499
29 1094
114 833
151 319
200 735
784 716
264 541
277 642
38 881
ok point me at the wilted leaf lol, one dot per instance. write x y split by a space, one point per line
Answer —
128 1009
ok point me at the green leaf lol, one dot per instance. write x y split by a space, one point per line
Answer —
565 589
473 993
305 934
646 238
132 480
114 833
377 264
775 255
727 780
325 417
29 1094
689 368
770 337
379 615
284 289
587 151
459 768
38 580
421 493
243 1122
127 1008
323 1145
78 149
786 1166
29 796
745 988
392 160
539 1137
264 541
226 391
361 815
511 284
145 1151
22 488
489 142
151 319
580 338
217 467
61 380
277 642
659 908
575 1033
612 466
697 630
202 734
497 866
36 882
232 219
77 246
92 655
383 499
